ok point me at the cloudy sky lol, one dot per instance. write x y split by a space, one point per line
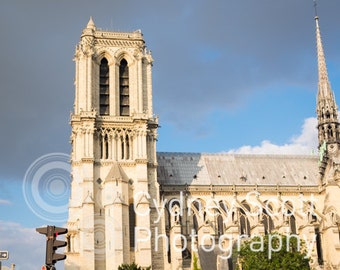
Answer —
228 76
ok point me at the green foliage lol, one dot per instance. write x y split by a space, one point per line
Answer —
272 252
132 266
195 263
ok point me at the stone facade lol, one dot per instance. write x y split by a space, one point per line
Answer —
131 204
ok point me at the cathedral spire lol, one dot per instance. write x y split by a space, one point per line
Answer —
324 85
327 110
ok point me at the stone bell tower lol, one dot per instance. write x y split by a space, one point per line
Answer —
113 156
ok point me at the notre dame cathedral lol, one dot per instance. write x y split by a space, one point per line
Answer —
130 203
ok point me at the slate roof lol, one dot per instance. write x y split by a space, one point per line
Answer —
234 169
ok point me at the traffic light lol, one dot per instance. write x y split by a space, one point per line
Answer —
52 244
57 244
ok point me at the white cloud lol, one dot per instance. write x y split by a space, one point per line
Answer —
4 202
303 144
26 247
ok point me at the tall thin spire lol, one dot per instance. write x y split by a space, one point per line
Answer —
327 110
324 85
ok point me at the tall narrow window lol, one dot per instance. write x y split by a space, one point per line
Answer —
195 224
122 147
68 239
292 224
288 215
132 225
267 219
104 146
318 245
127 143
104 104
220 225
124 88
244 221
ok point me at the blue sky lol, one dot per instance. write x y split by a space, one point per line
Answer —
228 76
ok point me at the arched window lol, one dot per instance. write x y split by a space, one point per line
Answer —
330 132
312 218
268 223
220 225
288 213
244 222
104 101
175 214
292 224
104 146
124 88
197 207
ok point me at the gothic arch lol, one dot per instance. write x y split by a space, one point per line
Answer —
244 224
228 213
123 54
289 217
267 220
197 207
174 214
310 210
105 54
224 206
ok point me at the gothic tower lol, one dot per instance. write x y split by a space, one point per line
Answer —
113 156
329 150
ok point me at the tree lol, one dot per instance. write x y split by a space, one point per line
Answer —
272 252
131 266
195 263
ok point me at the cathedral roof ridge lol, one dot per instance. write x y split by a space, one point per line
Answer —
249 155
178 153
